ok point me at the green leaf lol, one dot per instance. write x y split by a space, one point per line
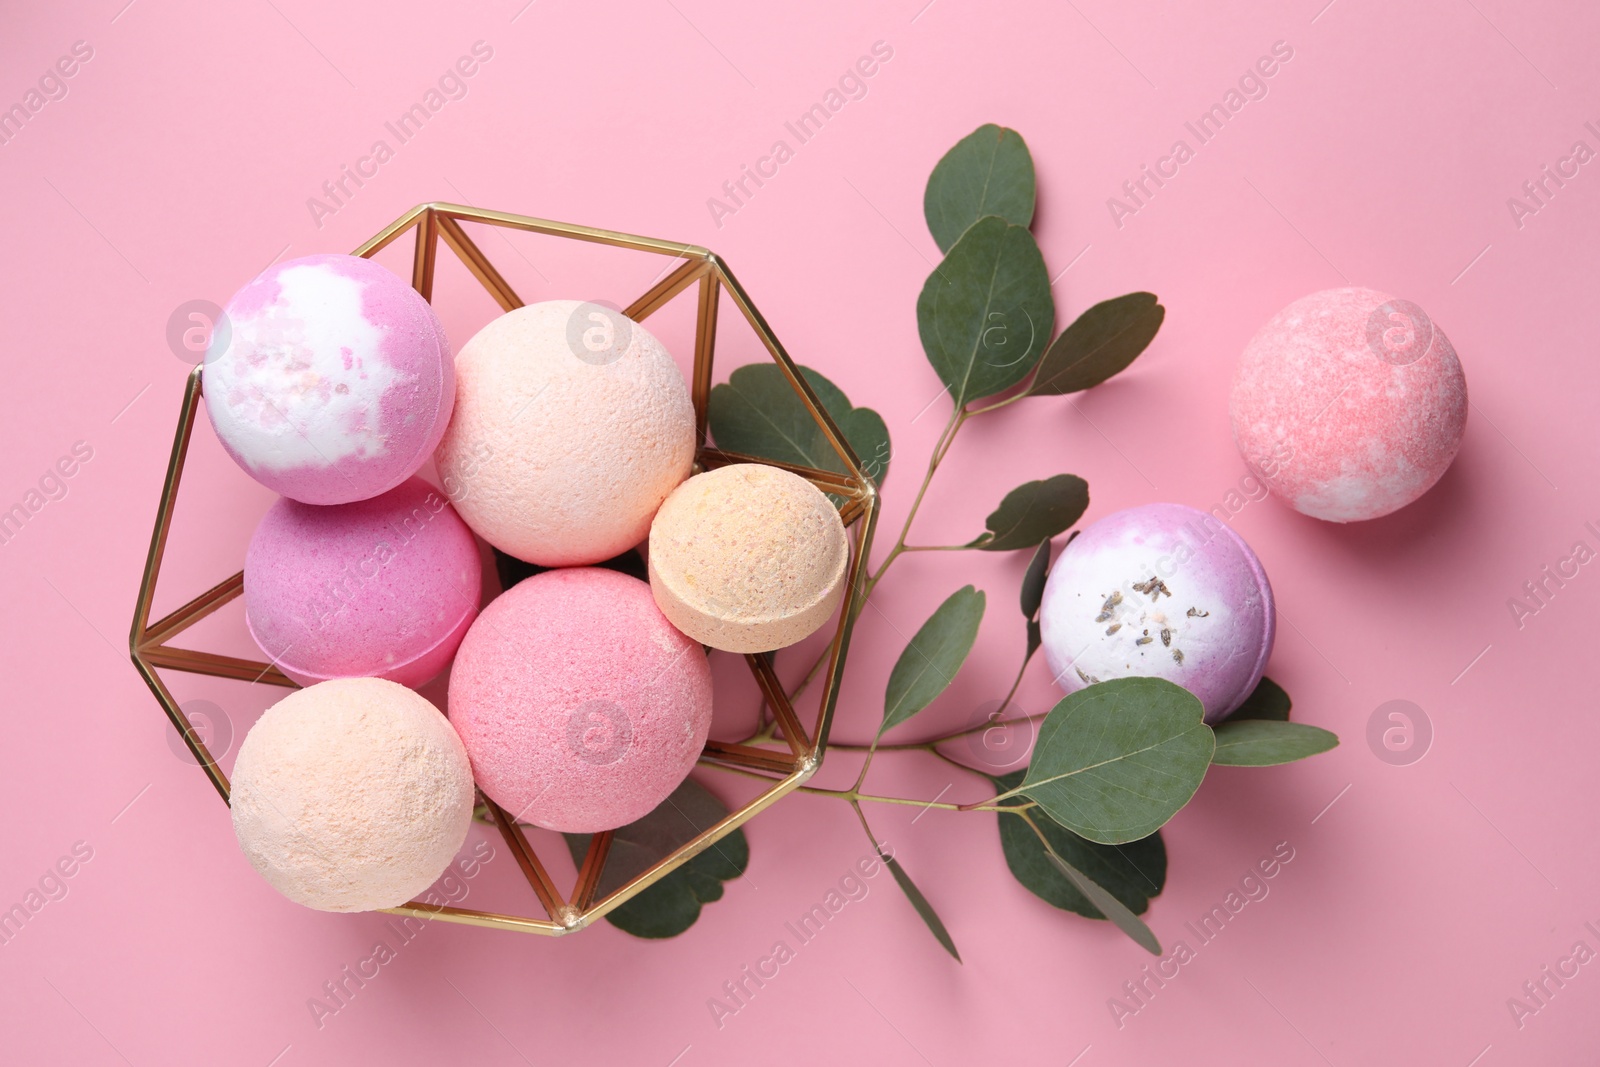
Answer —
986 313
1115 761
920 902
1033 580
930 662
1133 873
988 172
670 906
1099 343
757 412
1034 512
1266 701
1115 910
1265 743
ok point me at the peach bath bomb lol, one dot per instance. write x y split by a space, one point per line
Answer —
1160 591
333 381
1349 404
572 424
747 558
580 706
383 587
351 795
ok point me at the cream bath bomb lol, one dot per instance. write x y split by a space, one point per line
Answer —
383 587
1160 591
333 382
580 706
747 558
566 438
351 795
1349 404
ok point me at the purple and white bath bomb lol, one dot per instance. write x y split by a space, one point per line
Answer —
383 587
351 795
560 449
1349 404
333 381
580 706
1160 591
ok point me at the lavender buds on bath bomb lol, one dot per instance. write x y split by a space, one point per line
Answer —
1160 591
333 381
351 795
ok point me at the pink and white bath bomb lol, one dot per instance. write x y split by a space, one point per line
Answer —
580 706
1160 591
383 587
332 382
567 435
351 795
748 558
1349 404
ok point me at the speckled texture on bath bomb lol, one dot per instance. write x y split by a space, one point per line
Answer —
384 587
1349 404
580 706
1160 591
351 795
561 460
747 558
335 382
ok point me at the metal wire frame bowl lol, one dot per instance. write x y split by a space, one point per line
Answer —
784 764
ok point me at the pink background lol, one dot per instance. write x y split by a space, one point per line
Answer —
179 164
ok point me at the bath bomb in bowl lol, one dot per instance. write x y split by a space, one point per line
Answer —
351 795
1160 591
747 558
1349 404
383 587
580 705
572 424
333 381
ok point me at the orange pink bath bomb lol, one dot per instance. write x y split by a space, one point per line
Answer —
747 558
1349 404
332 380
383 587
351 795
566 437
579 704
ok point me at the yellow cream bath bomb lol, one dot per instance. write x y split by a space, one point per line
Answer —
747 558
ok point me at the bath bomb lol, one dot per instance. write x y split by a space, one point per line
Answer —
383 587
580 706
1160 591
747 558
567 435
351 795
332 381
1349 404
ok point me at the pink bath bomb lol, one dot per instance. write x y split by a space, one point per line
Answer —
383 587
1349 404
580 706
351 795
571 426
332 380
1160 591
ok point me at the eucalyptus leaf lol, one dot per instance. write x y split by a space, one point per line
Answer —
757 412
1115 761
1100 343
1266 701
985 314
1033 581
1034 512
920 902
988 172
930 662
1266 743
671 905
1115 910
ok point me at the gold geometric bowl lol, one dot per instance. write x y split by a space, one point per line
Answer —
780 765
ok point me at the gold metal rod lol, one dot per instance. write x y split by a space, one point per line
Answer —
827 481
705 347
169 496
160 632
550 898
685 275
466 916
567 229
474 259
594 863
855 582
748 756
180 722
778 700
424 254
216 666
385 236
